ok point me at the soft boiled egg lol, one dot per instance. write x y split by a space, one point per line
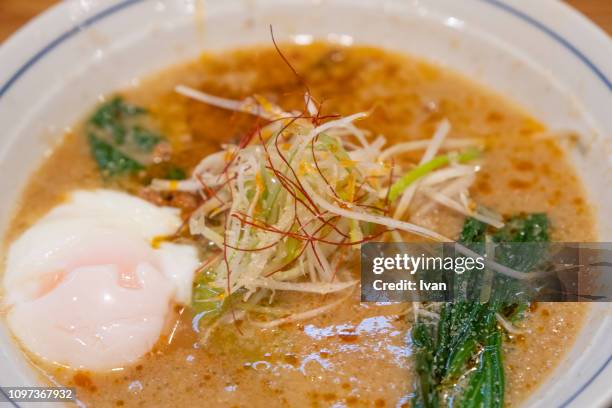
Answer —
87 288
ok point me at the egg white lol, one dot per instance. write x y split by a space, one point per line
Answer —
86 288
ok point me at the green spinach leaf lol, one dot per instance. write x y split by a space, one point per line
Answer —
459 358
117 135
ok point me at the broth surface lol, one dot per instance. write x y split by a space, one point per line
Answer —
357 355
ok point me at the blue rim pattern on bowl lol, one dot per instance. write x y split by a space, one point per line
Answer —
586 384
496 3
555 36
6 398
63 37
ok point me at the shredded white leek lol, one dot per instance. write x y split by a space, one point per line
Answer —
508 326
286 208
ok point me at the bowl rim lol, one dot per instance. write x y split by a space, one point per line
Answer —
522 11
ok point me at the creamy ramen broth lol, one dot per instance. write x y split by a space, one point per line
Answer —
356 355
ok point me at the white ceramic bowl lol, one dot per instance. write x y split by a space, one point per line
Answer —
541 54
